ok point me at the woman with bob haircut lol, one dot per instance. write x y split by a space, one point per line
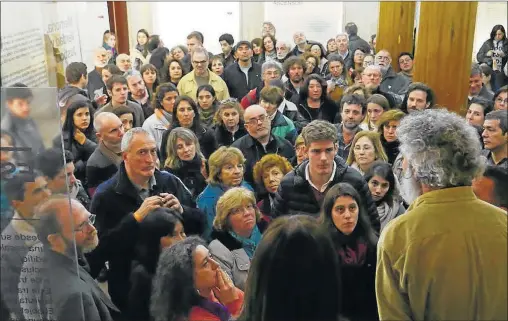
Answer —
237 231
295 275
78 136
226 169
501 99
383 187
150 77
185 160
186 114
344 217
365 149
268 173
162 228
229 124
387 129
189 285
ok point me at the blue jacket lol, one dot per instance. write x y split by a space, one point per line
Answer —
207 201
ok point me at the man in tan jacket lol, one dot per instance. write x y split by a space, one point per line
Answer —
445 258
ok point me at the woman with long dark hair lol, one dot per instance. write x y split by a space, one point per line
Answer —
150 76
139 54
207 103
186 114
162 228
494 53
383 187
345 218
78 136
189 285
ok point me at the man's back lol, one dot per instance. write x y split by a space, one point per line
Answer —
445 259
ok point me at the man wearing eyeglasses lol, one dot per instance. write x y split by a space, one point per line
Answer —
260 141
201 75
391 81
56 274
371 79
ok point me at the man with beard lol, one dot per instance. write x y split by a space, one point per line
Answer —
105 160
371 79
293 70
353 108
138 93
300 43
391 82
59 173
96 86
243 75
123 61
283 52
260 141
66 232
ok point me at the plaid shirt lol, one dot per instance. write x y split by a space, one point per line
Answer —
343 148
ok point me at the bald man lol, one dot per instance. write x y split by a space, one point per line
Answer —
105 160
123 61
67 233
260 141
96 87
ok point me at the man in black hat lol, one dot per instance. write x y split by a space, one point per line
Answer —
243 75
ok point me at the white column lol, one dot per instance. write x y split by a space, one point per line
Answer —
251 22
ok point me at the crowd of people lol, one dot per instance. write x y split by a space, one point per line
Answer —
264 183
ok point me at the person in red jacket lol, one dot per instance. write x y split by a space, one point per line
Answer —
189 285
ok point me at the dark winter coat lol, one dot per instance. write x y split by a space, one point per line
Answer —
236 81
114 203
224 137
295 195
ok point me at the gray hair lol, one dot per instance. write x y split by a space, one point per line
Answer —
132 73
201 50
319 130
99 119
129 135
372 67
283 42
343 34
475 70
188 136
441 148
271 64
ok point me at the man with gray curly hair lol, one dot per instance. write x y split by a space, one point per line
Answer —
448 251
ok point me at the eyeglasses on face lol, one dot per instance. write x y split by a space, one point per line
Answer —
200 62
90 221
254 121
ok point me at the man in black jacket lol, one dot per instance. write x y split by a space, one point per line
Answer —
259 141
123 201
302 190
243 75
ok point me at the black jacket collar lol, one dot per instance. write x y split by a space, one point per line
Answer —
124 185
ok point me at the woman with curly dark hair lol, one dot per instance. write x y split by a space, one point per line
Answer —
162 228
189 285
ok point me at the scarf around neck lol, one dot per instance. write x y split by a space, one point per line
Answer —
206 115
387 213
215 308
249 244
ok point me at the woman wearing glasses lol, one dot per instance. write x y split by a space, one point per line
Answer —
501 99
365 149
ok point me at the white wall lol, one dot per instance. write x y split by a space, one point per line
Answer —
488 15
317 23
364 14
140 16
173 21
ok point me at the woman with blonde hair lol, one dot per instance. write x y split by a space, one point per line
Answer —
268 173
365 149
387 126
185 160
225 170
228 120
237 230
